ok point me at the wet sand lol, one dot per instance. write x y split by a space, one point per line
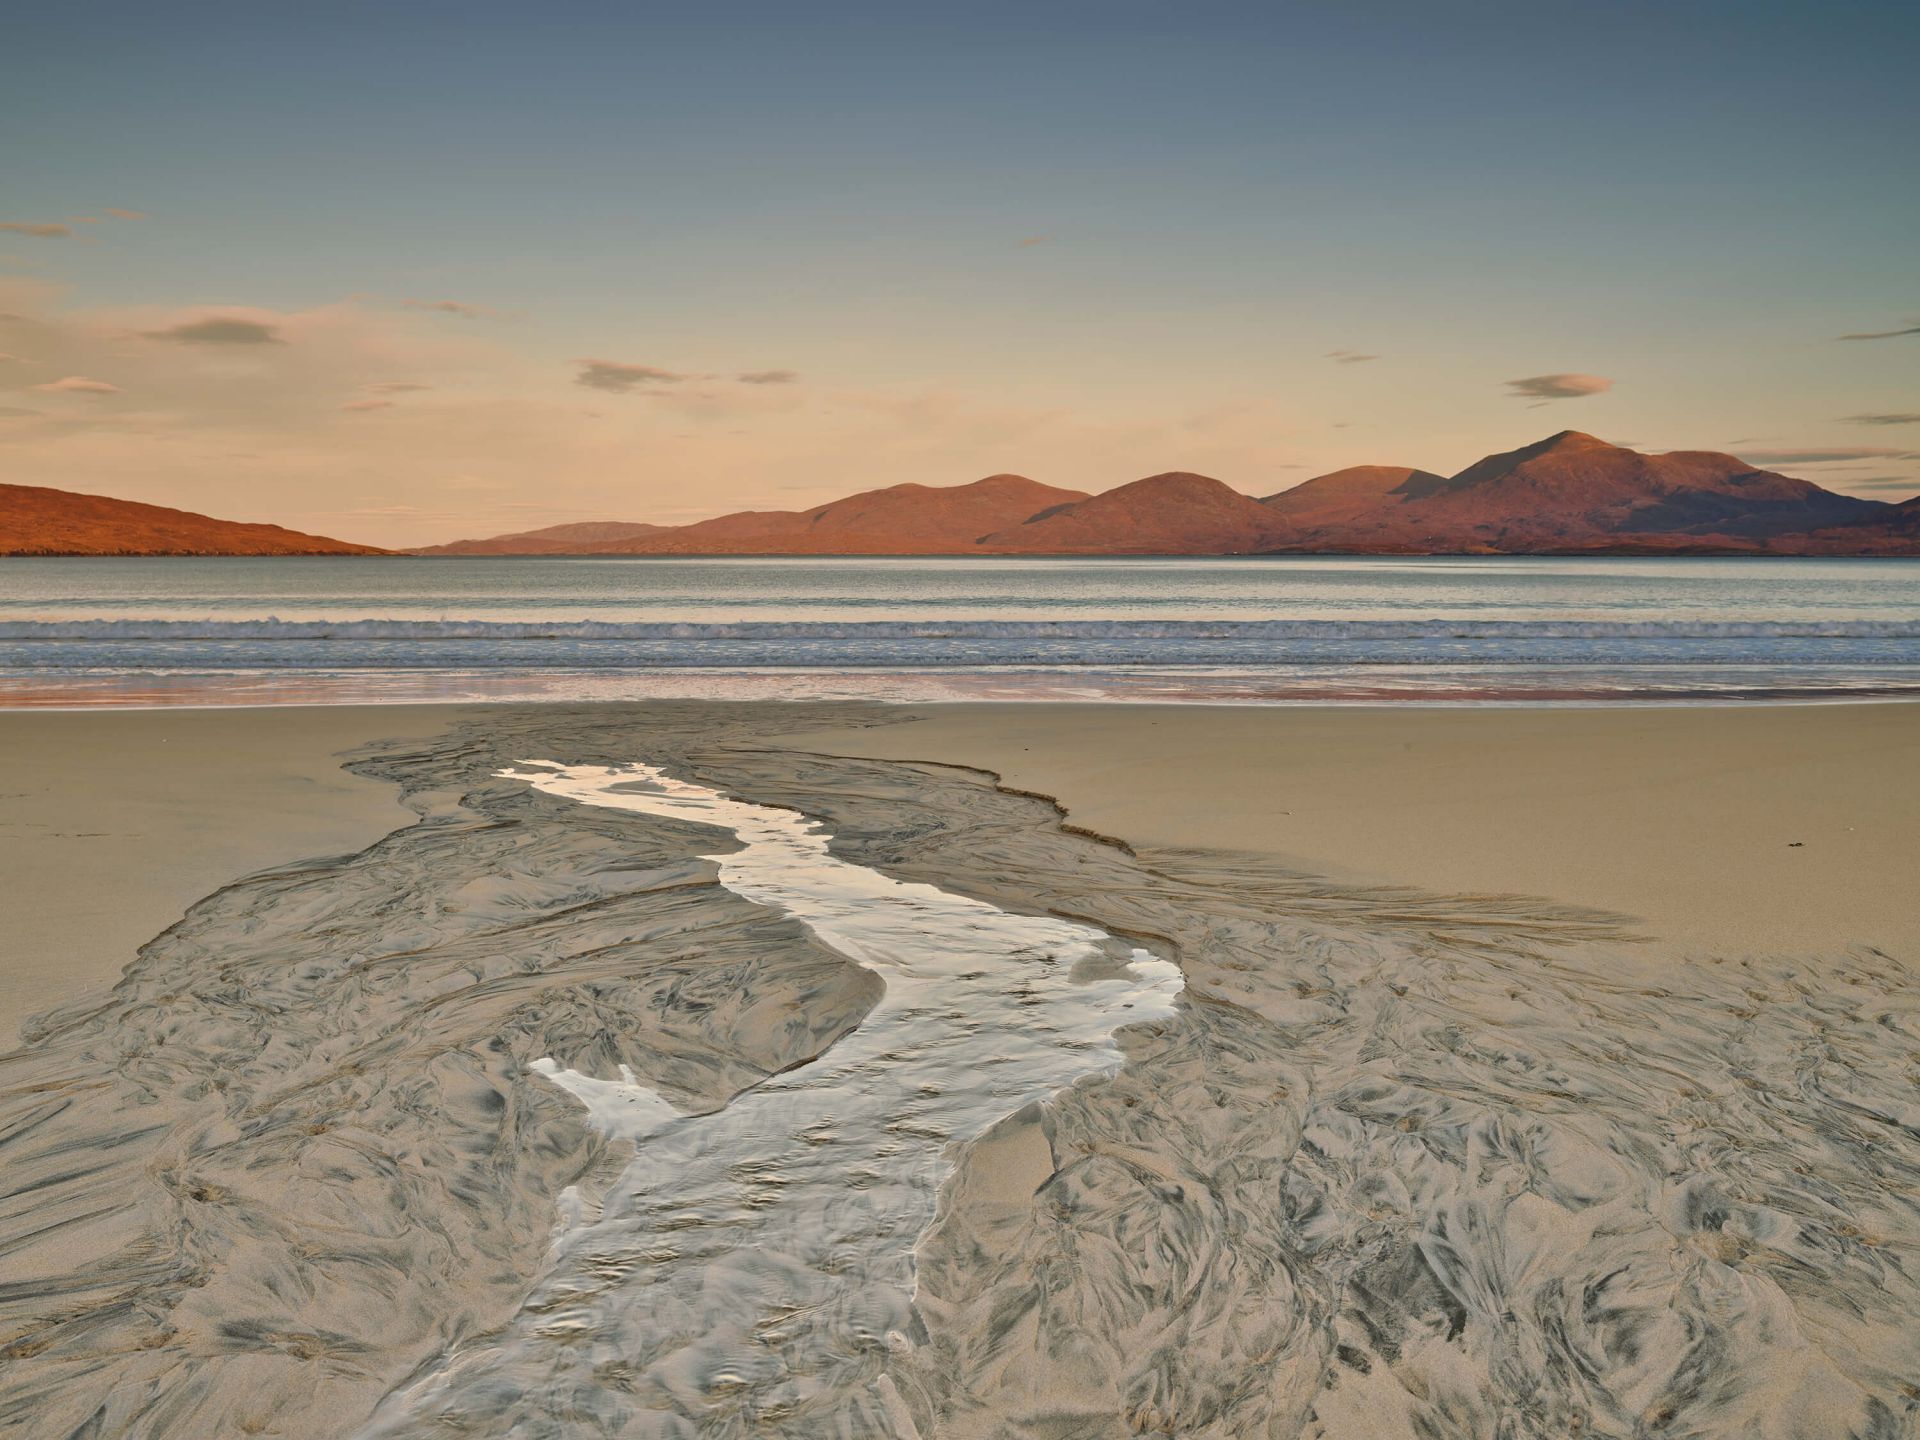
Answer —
1721 829
1402 1160
113 822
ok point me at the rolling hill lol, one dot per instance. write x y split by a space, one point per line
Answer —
899 520
1568 492
1172 514
39 521
553 540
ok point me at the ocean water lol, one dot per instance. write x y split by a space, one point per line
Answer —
1294 628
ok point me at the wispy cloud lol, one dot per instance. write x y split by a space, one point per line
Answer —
77 385
619 378
1912 327
1028 242
1558 387
1350 357
461 308
397 387
1832 455
232 429
120 214
218 330
768 377
1906 417
368 405
16 412
43 231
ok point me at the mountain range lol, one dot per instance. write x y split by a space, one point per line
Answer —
1567 494
899 520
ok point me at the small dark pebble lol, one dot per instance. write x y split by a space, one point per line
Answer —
1795 844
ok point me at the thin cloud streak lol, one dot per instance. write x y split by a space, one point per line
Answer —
1558 387
1913 329
1832 455
76 385
617 377
217 330
461 308
40 231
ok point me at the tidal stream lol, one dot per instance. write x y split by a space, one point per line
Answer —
753 1267
835 1151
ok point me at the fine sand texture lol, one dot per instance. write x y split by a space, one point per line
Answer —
113 822
542 1118
1719 829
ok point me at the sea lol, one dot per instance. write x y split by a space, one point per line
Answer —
1307 630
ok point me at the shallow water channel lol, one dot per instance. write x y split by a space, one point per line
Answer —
752 1270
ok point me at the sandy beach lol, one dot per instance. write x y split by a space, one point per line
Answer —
1722 829
1535 1068
113 822
849 722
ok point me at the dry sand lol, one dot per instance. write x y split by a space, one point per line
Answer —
1400 1162
113 822
1774 828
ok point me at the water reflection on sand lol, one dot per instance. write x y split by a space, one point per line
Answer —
1396 1163
754 1266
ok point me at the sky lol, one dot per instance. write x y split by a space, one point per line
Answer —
402 273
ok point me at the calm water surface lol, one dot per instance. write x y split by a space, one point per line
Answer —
94 631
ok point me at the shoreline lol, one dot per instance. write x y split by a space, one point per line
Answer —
352 696
1742 700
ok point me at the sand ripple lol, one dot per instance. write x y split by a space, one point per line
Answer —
752 1271
1396 1165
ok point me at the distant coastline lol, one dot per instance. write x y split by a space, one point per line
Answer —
1568 495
